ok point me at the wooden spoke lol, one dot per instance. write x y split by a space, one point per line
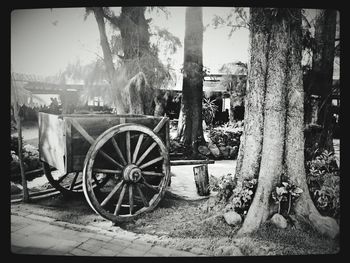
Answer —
115 144
78 185
74 180
124 196
128 149
120 200
131 198
143 156
137 148
107 171
109 196
144 200
155 188
62 178
109 158
152 173
151 162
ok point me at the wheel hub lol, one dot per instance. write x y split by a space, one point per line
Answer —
132 173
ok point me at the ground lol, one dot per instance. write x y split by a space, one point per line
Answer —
185 225
182 221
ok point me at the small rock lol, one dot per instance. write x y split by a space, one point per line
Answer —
197 250
204 150
232 218
214 149
279 221
229 251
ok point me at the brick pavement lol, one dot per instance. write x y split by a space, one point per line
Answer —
40 235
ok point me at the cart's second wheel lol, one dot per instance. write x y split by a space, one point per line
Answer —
136 162
69 184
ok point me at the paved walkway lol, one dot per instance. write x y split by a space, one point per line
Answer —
40 235
182 179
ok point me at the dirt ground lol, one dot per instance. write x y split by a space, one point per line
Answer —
186 225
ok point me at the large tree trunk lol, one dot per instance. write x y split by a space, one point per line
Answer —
294 149
274 111
251 140
134 32
190 129
321 79
282 148
133 94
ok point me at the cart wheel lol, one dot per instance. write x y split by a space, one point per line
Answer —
136 162
69 184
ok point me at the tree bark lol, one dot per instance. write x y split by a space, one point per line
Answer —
107 54
251 142
274 112
283 121
190 129
134 32
294 150
129 82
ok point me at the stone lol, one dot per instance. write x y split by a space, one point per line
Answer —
231 250
204 150
214 149
279 221
232 218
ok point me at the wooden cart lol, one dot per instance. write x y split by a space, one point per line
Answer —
120 162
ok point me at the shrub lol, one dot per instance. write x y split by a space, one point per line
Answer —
227 134
31 159
323 180
236 195
242 196
209 109
286 194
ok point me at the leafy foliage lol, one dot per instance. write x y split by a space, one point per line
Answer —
286 193
209 109
236 195
31 159
242 196
323 179
237 18
227 134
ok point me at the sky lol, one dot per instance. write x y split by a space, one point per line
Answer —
44 41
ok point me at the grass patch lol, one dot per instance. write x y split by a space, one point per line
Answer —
186 225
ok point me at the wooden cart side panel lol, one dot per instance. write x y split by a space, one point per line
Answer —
52 140
68 146
96 125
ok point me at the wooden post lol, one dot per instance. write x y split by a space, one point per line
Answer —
201 179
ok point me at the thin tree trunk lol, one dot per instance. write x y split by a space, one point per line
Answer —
190 129
107 54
